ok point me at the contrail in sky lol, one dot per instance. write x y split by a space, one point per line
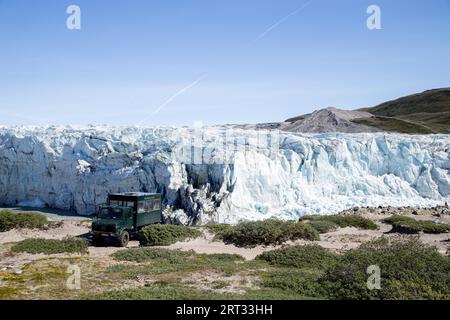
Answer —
180 92
276 24
174 96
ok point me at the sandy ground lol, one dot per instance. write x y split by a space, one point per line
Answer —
342 239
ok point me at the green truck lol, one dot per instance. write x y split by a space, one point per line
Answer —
124 214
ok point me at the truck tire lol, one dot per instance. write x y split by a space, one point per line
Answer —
124 238
97 241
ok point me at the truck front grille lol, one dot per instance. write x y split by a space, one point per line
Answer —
106 228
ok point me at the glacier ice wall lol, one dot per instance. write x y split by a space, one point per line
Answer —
76 167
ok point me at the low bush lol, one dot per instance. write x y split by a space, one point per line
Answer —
16 220
306 256
344 221
51 246
405 224
166 234
300 282
218 230
323 226
409 270
268 232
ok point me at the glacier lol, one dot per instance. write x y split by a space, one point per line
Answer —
222 174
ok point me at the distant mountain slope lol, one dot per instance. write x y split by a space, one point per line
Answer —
323 120
421 113
425 112
430 101
328 120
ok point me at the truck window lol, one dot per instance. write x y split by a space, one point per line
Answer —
110 213
156 204
115 203
128 204
141 207
148 205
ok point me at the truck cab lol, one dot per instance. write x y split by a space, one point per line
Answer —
125 213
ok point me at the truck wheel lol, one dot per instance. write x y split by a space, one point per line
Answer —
97 241
124 238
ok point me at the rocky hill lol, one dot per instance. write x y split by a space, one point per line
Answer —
422 113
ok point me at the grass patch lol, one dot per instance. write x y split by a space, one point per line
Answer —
409 270
166 234
15 220
323 226
51 246
308 256
393 124
155 261
165 291
158 291
344 221
149 254
404 224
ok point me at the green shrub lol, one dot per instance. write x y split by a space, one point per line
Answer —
345 221
409 270
268 232
323 226
15 220
51 246
293 280
306 256
405 224
219 230
166 234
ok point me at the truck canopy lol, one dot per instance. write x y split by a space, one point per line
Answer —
146 206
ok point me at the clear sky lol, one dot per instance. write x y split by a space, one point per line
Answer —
174 62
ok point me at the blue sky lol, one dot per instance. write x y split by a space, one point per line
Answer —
176 62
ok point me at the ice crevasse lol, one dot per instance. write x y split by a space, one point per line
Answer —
74 168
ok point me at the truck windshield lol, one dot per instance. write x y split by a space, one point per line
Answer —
110 213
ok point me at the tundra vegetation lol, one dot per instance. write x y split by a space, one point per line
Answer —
166 234
16 220
344 221
323 226
51 246
404 224
409 268
267 232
